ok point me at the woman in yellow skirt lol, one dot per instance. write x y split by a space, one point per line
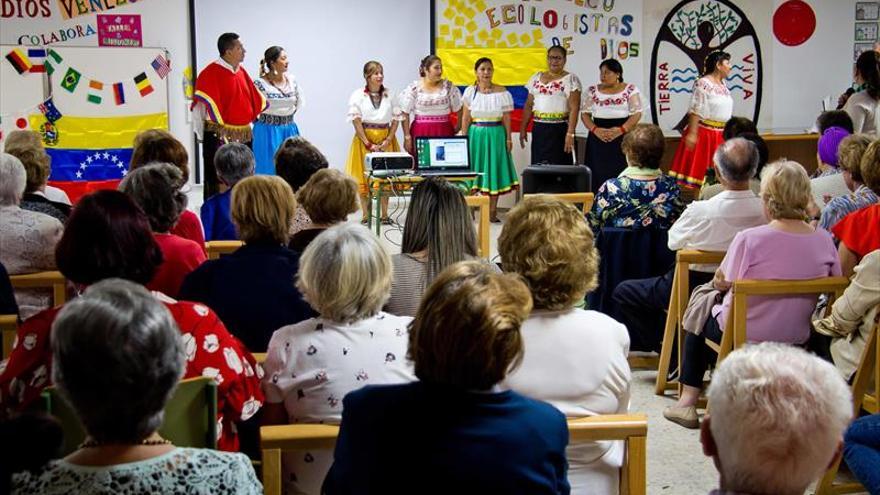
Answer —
375 115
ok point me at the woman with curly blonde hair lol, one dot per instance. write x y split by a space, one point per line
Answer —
574 359
787 248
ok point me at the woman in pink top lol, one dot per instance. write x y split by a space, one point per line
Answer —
787 248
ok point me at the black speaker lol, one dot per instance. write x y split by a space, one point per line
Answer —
556 179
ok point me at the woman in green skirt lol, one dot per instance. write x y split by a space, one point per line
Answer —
486 121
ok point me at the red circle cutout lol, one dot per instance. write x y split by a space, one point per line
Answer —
21 123
794 22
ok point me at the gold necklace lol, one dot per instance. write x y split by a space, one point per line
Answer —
91 443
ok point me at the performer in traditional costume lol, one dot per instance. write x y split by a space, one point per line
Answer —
225 104
375 115
554 100
427 103
609 110
486 121
710 108
276 123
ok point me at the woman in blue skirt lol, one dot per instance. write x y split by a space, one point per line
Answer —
275 124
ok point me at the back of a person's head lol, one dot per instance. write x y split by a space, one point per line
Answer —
262 209
234 162
107 236
870 167
868 67
439 220
22 139
549 243
834 118
737 159
37 437
785 189
466 333
157 145
737 126
117 356
156 189
829 143
329 196
643 146
13 180
35 161
297 160
850 153
763 150
777 418
345 274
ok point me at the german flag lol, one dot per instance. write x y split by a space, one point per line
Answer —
143 84
19 61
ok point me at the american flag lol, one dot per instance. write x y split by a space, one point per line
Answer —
162 66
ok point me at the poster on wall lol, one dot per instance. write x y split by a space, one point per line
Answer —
119 30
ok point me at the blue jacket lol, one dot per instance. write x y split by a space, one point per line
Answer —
217 218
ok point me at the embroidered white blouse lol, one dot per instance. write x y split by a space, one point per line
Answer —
711 101
551 99
489 106
414 100
360 106
612 105
283 100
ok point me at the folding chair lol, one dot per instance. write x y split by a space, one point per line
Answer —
215 249
482 203
585 199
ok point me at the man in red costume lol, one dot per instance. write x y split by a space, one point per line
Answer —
224 105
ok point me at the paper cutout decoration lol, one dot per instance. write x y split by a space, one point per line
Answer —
48 109
162 66
143 84
71 79
794 22
95 89
119 94
37 57
52 60
19 61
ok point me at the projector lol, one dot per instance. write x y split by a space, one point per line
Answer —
394 161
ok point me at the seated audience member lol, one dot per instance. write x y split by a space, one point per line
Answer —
156 189
708 225
642 196
345 275
758 442
574 359
27 238
828 181
849 160
234 162
32 139
252 289
439 231
788 248
861 450
296 161
120 403
859 232
157 145
863 107
852 316
328 197
36 166
8 306
454 431
834 118
108 236
709 191
737 126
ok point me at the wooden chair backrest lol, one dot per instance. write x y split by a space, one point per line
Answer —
585 199
482 204
9 327
43 280
630 428
217 248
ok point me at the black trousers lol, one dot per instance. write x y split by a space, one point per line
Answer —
643 303
210 144
697 355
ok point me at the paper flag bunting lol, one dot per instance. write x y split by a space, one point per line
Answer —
38 58
49 110
162 66
95 90
119 94
18 60
71 79
143 84
52 61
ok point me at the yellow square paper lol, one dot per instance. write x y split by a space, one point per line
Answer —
444 29
449 13
471 26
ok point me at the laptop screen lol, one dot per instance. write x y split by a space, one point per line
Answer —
443 153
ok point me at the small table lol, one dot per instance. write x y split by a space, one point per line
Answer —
401 185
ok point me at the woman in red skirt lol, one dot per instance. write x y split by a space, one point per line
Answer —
711 107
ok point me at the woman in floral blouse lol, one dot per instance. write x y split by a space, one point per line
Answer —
107 236
641 197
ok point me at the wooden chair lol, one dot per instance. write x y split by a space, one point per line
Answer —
215 249
260 357
190 415
585 199
481 202
631 428
43 280
868 370
678 301
9 327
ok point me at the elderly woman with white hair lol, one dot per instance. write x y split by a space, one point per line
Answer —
777 422
122 326
27 238
233 162
345 275
763 253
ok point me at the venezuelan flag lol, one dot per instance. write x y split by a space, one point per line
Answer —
513 68
91 153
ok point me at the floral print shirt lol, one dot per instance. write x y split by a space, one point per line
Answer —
633 203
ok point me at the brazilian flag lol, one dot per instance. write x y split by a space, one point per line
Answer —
71 79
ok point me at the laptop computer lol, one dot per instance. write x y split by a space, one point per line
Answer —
443 156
